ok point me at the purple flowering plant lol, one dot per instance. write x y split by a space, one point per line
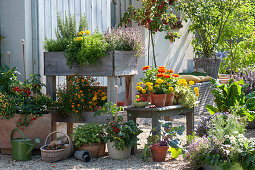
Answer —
125 39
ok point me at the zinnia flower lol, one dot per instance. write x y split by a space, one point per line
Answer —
167 75
191 83
160 75
159 81
146 67
87 32
171 88
143 91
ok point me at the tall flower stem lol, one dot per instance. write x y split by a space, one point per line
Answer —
153 50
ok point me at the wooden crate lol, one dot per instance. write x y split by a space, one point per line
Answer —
116 63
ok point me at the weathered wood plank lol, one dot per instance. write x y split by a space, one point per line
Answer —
118 65
51 86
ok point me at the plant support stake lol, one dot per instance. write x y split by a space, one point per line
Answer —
9 57
23 48
116 87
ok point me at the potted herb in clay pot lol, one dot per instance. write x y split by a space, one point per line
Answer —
160 142
90 137
121 136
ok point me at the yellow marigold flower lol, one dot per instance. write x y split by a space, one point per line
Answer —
140 83
197 94
81 33
143 91
179 82
196 89
185 83
94 98
87 32
149 84
78 39
159 81
104 98
150 88
171 88
191 83
138 87
157 85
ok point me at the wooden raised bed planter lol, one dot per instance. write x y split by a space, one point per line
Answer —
115 64
39 128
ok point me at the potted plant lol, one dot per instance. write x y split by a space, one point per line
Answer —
160 82
79 99
111 54
140 102
160 141
120 137
24 106
90 137
208 23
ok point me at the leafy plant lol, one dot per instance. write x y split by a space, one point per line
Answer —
125 39
7 78
154 15
88 133
108 108
79 95
247 74
123 134
229 98
86 49
66 30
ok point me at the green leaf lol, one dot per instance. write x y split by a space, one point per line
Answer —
211 109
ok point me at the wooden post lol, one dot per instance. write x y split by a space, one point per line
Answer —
190 122
51 86
69 125
111 89
129 90
132 116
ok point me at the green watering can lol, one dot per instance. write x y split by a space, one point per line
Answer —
22 147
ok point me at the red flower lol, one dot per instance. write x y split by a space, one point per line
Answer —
160 75
167 75
146 67
176 75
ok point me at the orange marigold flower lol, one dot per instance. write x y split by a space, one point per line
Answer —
82 80
73 74
161 70
78 80
146 67
81 91
93 84
78 105
171 71
90 107
167 75
82 100
98 83
163 67
76 111
72 106
82 94
160 75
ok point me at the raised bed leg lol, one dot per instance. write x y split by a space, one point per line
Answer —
129 90
190 122
51 86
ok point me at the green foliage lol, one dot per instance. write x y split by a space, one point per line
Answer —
229 98
209 19
108 108
88 133
7 78
86 49
186 96
66 30
123 134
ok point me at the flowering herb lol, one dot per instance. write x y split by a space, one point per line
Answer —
125 39
140 99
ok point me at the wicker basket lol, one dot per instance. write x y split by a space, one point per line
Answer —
56 155
96 149
210 65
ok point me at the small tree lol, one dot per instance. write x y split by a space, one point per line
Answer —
154 15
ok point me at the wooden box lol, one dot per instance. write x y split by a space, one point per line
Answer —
116 63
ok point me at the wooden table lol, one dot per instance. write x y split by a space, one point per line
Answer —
157 113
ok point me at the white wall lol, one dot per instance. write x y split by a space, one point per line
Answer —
12 26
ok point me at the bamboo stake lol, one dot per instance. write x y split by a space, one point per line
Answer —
116 87
24 62
9 56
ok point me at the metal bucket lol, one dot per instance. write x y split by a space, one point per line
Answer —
83 156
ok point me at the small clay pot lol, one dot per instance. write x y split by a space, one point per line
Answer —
159 152
158 100
169 99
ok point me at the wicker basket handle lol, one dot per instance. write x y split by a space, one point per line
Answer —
69 140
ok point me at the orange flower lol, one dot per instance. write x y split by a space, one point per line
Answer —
79 96
90 102
146 67
76 111
78 80
72 106
176 75
82 100
82 94
73 74
167 75
78 105
93 84
81 91
161 70
90 107
98 83
75 94
171 71
160 75
76 87
163 67
82 80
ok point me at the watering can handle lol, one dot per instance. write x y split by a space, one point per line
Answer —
17 129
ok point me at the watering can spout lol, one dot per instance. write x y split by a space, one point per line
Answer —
32 146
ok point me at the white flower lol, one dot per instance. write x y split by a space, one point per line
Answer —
226 136
232 141
235 132
232 138
241 140
240 136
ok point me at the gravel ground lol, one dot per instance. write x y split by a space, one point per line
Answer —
134 162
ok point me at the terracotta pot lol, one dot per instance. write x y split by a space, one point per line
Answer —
145 96
159 152
158 100
169 99
39 128
96 149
